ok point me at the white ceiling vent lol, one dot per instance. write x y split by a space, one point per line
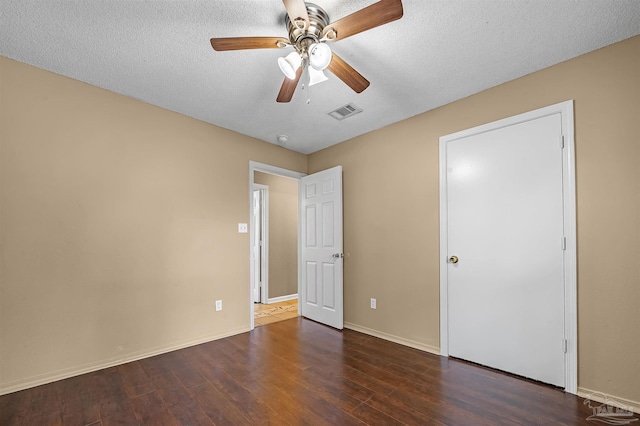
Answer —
345 111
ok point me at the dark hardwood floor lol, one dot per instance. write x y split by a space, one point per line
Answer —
294 372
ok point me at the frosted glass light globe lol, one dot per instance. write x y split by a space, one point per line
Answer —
289 64
319 56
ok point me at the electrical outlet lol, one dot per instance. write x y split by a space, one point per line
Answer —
373 303
218 305
243 228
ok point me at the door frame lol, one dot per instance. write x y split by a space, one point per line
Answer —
264 234
569 204
255 166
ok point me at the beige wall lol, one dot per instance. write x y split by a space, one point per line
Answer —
391 210
283 233
118 226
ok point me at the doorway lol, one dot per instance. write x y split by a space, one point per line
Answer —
274 249
508 289
318 244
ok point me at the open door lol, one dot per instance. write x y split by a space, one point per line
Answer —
320 294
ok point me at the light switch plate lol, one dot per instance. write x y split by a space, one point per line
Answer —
243 228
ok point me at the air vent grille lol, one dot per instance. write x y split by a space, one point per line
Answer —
345 111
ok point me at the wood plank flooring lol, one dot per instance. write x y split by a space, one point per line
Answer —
294 372
274 312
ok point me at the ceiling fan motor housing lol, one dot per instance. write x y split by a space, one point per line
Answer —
302 38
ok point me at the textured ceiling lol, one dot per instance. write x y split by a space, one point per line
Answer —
158 51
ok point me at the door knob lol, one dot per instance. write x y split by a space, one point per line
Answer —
453 259
337 255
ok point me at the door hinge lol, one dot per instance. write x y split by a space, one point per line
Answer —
561 141
564 345
563 243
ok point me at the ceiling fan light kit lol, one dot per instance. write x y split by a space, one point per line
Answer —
319 56
290 64
316 76
309 29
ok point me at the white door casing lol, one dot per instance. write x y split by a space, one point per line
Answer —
255 249
260 247
321 278
508 214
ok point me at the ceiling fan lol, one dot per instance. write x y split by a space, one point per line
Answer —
309 29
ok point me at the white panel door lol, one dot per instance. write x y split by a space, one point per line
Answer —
505 242
321 295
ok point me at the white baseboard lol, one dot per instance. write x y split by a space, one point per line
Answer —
393 338
43 379
601 397
282 298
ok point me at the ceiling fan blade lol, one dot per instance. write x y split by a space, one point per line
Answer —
377 14
346 73
297 10
288 87
239 43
